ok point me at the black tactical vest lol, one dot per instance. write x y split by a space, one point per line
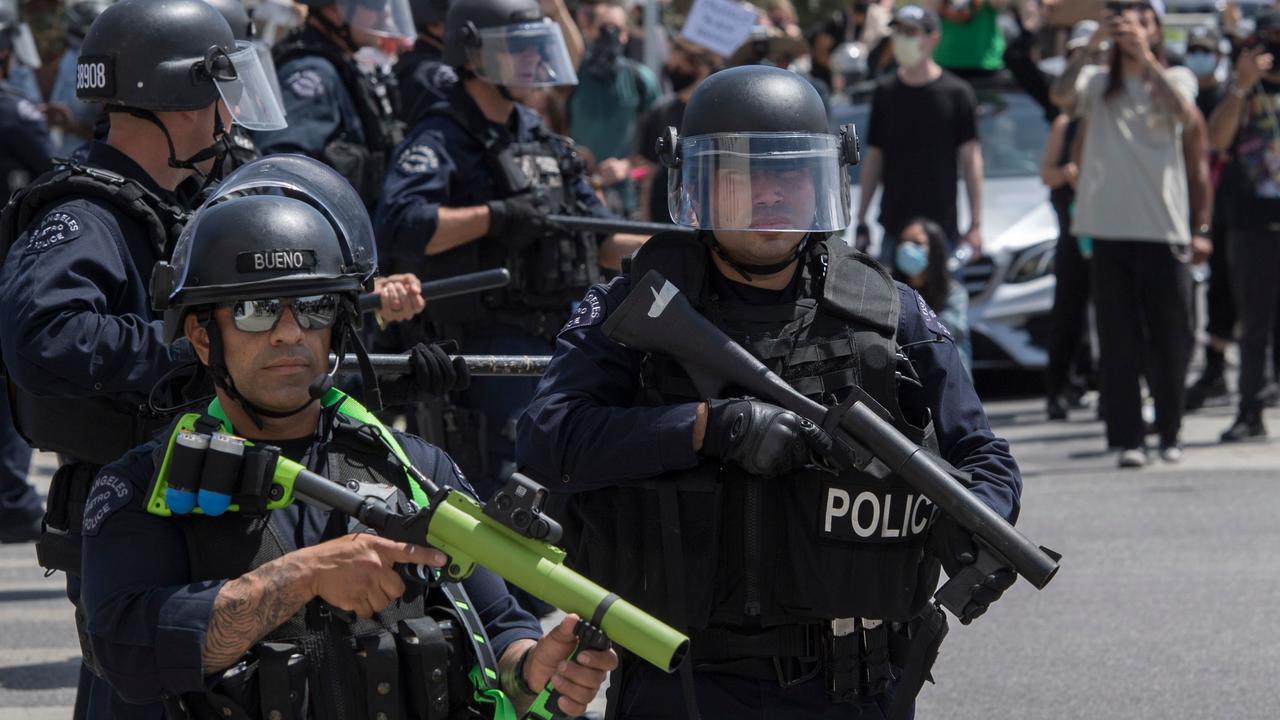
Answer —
97 430
549 275
713 546
363 164
341 670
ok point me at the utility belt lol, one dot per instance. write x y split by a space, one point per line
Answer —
414 671
857 657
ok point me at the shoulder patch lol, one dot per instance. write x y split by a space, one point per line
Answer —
109 494
28 111
442 77
59 226
931 320
589 311
305 83
418 159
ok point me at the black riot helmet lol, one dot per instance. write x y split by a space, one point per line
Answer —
172 55
750 129
428 12
80 14
283 226
236 16
508 43
15 35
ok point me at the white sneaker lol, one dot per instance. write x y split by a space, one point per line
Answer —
1171 454
1133 458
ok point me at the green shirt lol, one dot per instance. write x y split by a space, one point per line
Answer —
975 45
603 114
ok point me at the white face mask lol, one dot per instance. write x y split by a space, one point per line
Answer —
906 51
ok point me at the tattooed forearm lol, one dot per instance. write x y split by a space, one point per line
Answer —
252 605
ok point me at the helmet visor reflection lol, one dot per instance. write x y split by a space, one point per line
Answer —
524 55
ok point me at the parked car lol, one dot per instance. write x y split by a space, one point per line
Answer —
1011 284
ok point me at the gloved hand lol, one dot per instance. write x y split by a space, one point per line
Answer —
518 221
954 547
761 438
862 237
432 373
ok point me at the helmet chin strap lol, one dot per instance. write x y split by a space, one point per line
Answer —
747 269
216 151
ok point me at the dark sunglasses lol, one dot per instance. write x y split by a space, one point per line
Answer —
312 312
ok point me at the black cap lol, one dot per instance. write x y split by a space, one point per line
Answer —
1203 37
926 20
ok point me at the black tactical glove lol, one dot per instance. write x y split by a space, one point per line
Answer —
518 221
862 237
954 547
432 373
762 439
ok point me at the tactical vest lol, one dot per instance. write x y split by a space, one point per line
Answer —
411 661
715 547
97 430
362 164
549 275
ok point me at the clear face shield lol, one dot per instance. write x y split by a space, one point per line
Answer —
762 182
526 55
269 67
246 88
383 18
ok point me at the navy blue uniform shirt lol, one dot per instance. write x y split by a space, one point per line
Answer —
423 79
24 141
582 432
148 620
319 107
77 318
441 163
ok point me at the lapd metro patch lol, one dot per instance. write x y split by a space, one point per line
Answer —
589 312
275 260
108 495
418 159
57 227
305 83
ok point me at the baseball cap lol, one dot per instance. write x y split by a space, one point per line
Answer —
1203 37
916 16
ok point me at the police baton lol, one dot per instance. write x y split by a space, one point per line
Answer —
609 226
449 287
477 365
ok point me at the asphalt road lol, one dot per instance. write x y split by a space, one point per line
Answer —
1162 608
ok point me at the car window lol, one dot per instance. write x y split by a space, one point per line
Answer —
1012 117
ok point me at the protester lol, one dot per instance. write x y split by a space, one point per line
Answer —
1132 199
862 23
922 119
972 44
921 262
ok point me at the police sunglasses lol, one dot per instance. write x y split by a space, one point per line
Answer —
311 312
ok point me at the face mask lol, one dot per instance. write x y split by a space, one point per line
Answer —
680 79
906 51
602 56
911 259
1202 64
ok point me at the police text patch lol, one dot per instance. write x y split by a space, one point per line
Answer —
872 515
588 312
305 83
108 494
58 227
275 260
417 159
930 317
95 76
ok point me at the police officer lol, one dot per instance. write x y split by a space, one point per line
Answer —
711 510
470 189
24 154
74 119
242 148
338 112
421 72
264 285
81 346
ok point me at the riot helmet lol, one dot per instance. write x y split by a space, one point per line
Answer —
508 43
80 14
755 153
383 18
241 22
143 55
280 227
15 36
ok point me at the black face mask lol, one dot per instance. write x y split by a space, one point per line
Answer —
680 79
602 56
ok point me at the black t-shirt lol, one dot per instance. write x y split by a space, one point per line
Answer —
919 130
667 113
1251 183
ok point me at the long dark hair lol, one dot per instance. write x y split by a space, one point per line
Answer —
937 279
1115 76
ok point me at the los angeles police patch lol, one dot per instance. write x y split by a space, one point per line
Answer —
108 495
305 83
930 317
417 159
588 312
58 227
27 111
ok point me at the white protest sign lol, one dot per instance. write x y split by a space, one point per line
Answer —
720 26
